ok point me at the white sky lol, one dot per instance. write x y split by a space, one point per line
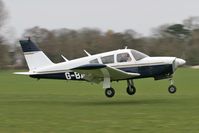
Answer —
118 15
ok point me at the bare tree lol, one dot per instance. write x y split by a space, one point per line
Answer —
3 14
169 39
192 23
3 51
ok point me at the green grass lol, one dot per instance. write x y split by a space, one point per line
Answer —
52 106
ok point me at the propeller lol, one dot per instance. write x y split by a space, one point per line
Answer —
174 65
177 62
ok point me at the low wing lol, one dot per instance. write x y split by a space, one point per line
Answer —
97 72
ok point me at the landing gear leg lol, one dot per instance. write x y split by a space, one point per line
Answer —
109 91
172 89
131 90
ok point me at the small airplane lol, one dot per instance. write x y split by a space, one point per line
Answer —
123 64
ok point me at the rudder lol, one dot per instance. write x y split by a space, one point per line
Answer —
34 57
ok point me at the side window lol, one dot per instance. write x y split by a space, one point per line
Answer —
95 61
123 57
107 59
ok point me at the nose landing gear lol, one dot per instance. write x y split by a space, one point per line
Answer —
172 88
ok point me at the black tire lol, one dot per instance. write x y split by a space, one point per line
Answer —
172 89
109 92
131 90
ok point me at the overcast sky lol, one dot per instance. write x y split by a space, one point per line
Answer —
118 15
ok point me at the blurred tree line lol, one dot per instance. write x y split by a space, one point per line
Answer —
180 40
4 56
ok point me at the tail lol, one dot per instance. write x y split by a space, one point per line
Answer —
35 58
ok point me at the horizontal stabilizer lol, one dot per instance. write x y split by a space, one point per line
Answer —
24 73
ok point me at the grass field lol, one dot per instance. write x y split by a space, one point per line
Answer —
52 106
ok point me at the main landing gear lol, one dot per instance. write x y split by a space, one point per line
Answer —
110 92
172 89
131 90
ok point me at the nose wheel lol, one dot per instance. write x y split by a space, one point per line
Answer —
172 88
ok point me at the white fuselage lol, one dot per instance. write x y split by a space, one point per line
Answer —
68 65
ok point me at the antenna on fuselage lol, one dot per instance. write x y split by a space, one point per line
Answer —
126 47
64 58
87 53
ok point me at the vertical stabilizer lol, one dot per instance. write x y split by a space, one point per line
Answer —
35 58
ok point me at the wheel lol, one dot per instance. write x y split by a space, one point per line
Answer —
131 90
109 92
172 89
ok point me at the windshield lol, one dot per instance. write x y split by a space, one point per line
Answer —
138 55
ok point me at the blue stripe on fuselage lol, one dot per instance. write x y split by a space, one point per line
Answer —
150 71
50 76
68 76
144 71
